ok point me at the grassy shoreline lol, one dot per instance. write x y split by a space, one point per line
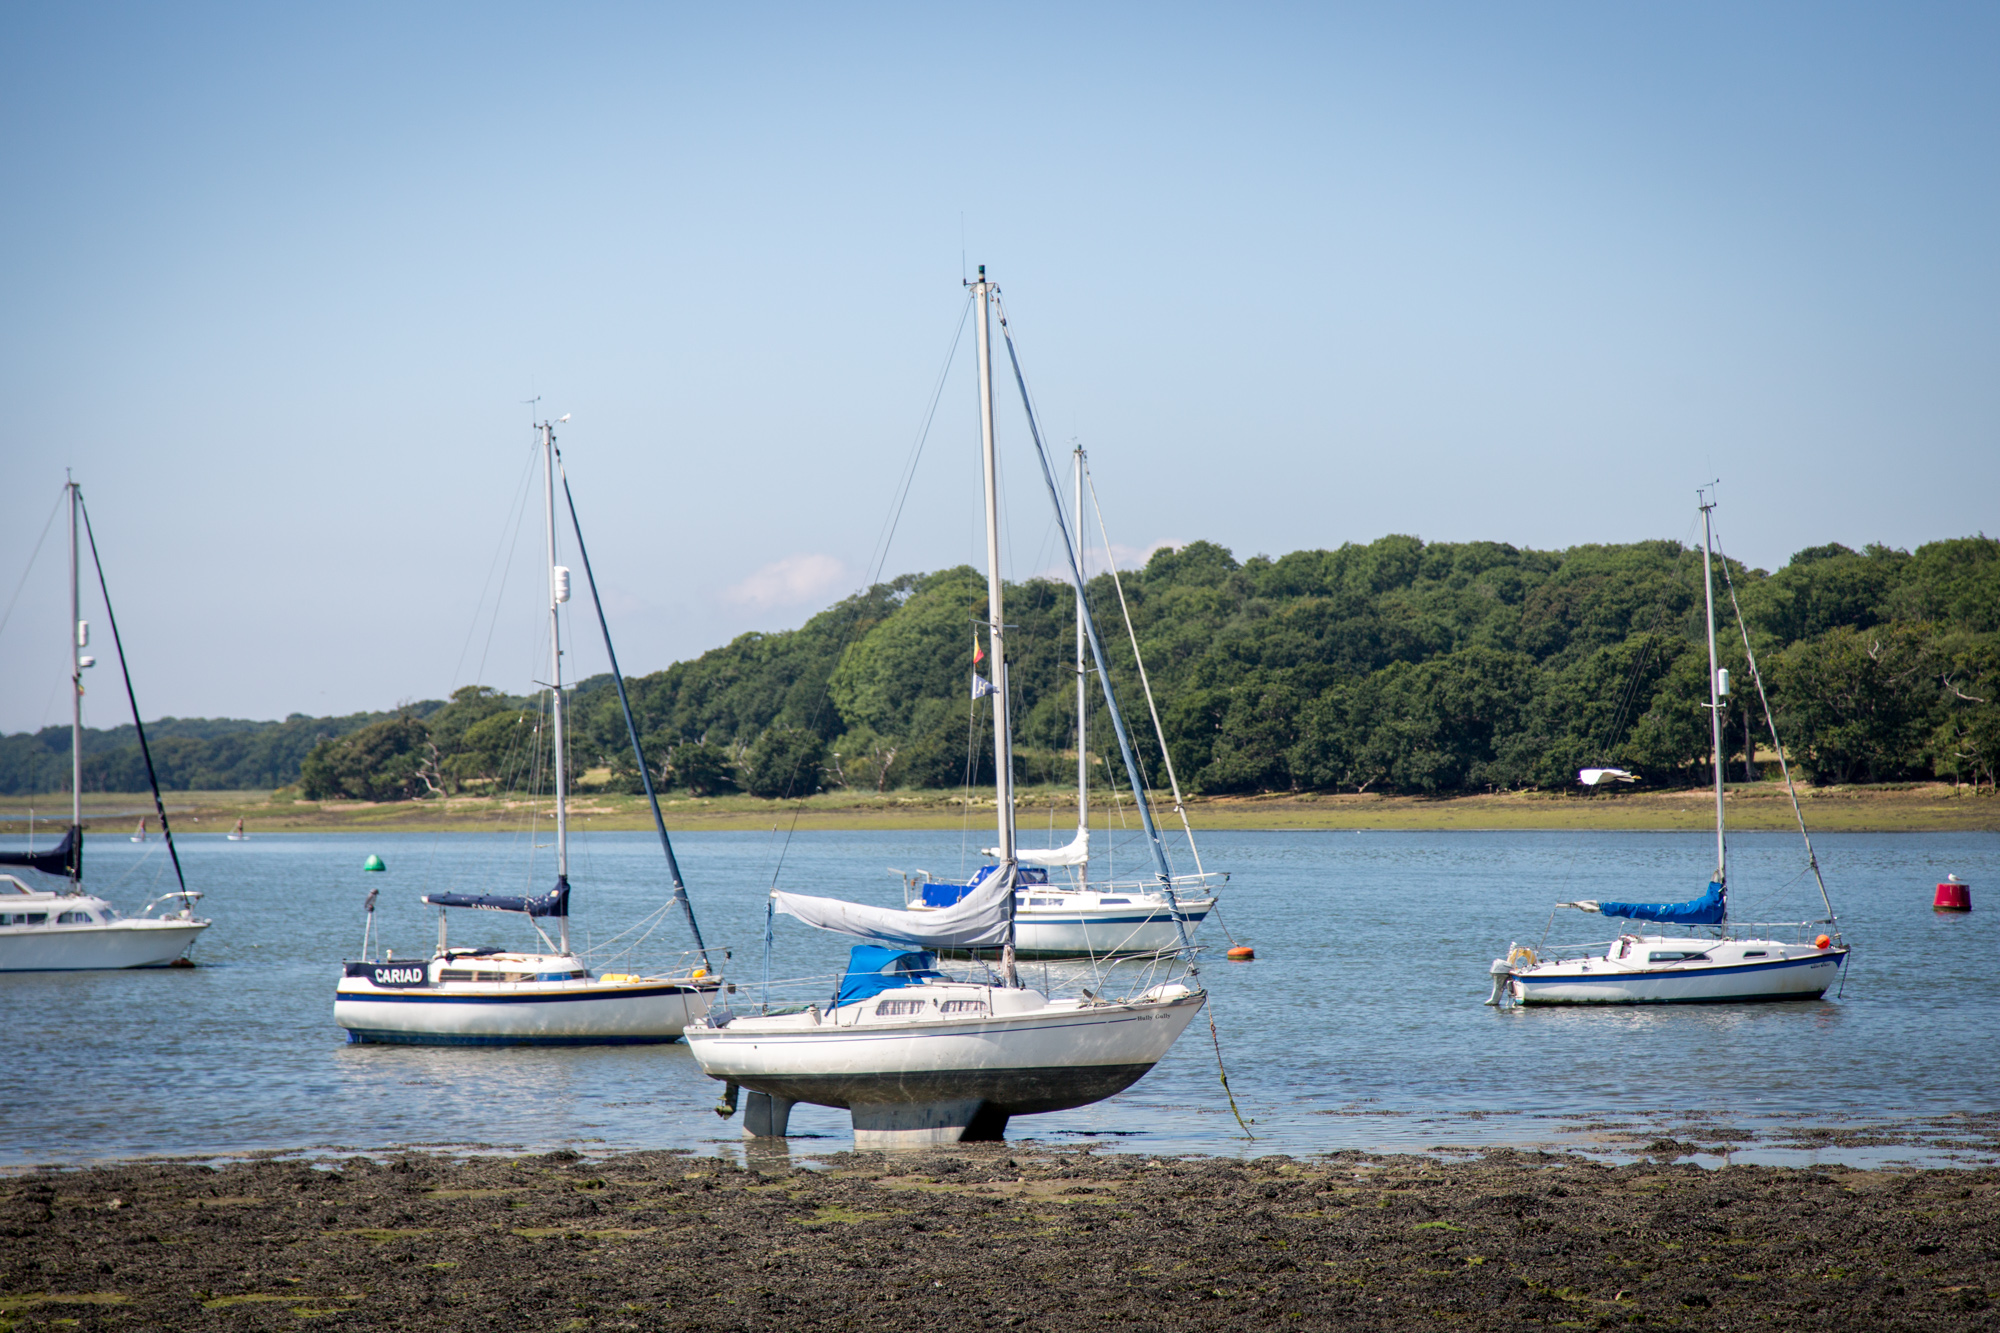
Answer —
1900 808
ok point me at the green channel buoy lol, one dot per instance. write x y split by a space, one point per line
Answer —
373 863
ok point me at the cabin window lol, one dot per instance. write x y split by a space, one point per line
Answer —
892 1008
1108 902
75 919
24 918
1045 902
964 1006
1673 956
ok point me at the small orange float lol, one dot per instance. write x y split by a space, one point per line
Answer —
1242 953
1822 942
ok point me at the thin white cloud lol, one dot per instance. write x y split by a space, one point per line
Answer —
792 581
1128 557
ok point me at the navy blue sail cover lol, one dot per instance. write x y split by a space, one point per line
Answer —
1707 910
553 903
65 858
874 968
939 894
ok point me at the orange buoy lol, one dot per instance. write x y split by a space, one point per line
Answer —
1952 896
1242 953
1822 942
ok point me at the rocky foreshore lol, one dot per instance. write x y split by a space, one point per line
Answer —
1006 1236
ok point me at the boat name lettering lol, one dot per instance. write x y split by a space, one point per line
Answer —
400 974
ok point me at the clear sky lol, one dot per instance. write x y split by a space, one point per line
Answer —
277 280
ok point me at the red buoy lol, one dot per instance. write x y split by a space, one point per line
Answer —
1242 953
1952 896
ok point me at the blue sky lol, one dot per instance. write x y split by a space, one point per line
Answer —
279 278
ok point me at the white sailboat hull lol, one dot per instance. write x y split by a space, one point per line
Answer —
1104 932
1048 1059
524 1014
1806 976
89 948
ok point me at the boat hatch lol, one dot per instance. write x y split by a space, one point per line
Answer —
1756 953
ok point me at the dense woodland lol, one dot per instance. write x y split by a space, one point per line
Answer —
1394 666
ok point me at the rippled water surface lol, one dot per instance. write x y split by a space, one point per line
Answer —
1360 1025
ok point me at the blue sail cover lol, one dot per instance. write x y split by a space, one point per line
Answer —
553 903
874 968
939 894
1707 910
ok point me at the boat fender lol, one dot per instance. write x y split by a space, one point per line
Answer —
1822 942
728 1106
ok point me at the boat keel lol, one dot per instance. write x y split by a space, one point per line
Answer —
765 1116
889 1126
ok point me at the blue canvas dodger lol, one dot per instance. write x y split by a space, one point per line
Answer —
874 968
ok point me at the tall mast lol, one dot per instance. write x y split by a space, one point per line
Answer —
76 635
1714 691
1082 694
558 594
996 629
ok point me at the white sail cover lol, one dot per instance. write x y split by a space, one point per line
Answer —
1075 854
976 921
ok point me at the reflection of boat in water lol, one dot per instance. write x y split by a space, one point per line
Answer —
491 996
1664 968
916 1056
66 929
237 834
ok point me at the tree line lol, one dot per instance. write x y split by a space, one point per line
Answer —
1392 666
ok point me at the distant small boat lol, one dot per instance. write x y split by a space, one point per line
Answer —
238 835
140 836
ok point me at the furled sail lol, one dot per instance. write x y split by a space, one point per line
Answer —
553 903
1075 853
65 858
1707 910
977 921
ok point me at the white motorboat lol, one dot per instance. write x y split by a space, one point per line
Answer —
66 929
45 930
491 996
1664 968
917 1057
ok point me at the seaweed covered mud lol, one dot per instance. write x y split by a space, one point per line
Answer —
1003 1236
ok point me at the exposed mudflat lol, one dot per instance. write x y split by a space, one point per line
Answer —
996 1236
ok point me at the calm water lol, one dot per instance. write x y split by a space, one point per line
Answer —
1360 1025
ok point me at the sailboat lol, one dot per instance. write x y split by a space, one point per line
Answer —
1662 968
237 834
918 1057
1065 915
66 929
490 996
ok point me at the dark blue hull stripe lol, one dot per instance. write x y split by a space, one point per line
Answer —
372 1037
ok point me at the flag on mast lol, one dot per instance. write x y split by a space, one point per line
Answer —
981 687
978 653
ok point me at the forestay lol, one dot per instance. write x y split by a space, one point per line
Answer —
979 920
